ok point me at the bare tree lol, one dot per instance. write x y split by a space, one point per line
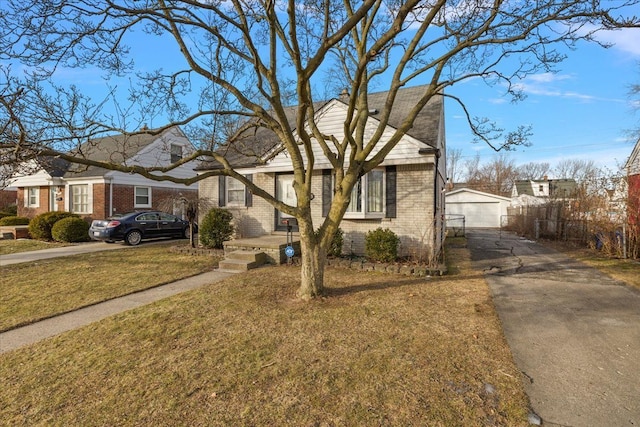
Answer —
533 170
496 176
454 167
578 169
248 60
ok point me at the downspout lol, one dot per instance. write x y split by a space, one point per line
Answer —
436 199
110 197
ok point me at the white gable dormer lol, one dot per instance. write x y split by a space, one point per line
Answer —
330 121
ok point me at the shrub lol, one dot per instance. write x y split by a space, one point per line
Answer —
70 229
14 220
381 245
216 228
336 244
11 210
40 226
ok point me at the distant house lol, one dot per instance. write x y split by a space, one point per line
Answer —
632 167
479 209
545 188
93 192
404 194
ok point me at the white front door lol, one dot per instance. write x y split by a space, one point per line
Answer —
285 193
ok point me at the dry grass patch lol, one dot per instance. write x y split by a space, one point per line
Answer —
25 245
624 270
379 350
41 289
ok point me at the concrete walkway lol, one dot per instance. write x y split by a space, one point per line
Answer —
573 331
76 249
35 332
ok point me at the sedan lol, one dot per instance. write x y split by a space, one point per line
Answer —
135 226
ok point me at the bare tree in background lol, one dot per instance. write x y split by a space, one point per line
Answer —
455 171
578 169
533 170
248 60
495 177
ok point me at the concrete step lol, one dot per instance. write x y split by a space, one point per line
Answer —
238 261
250 256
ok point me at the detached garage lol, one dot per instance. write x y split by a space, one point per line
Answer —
480 210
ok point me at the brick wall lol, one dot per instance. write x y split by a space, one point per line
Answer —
7 198
32 212
414 222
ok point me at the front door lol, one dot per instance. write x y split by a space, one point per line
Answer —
285 193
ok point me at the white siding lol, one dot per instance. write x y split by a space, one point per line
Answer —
331 122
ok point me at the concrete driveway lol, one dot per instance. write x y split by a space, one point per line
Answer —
574 332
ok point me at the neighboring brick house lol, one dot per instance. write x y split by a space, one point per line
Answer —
93 192
632 167
405 193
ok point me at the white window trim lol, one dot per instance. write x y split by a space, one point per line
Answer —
370 215
69 192
135 197
27 197
227 188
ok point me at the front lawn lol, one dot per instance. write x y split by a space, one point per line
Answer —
380 349
37 290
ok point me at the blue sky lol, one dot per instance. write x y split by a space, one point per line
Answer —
584 111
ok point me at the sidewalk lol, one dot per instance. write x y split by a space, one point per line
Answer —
81 248
35 332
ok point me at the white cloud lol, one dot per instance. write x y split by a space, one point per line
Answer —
626 40
547 84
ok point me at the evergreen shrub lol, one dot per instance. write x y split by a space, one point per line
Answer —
216 228
381 245
70 229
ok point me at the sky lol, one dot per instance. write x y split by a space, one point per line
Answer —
584 111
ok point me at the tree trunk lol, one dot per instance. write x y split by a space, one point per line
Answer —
312 271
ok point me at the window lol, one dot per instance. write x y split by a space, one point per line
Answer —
367 196
176 153
235 192
142 197
32 197
80 198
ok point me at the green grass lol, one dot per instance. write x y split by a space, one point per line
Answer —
37 290
25 245
379 349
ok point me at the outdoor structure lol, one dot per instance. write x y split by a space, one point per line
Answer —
480 209
545 188
632 168
404 194
52 184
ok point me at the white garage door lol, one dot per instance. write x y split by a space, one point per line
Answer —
477 214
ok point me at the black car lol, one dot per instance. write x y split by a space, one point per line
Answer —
135 226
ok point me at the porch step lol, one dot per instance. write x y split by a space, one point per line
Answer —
240 260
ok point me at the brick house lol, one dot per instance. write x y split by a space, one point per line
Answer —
93 192
405 193
632 167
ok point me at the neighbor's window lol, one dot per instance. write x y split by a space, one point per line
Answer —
176 153
32 197
235 192
367 196
142 197
80 198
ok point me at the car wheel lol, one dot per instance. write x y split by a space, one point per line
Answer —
133 238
